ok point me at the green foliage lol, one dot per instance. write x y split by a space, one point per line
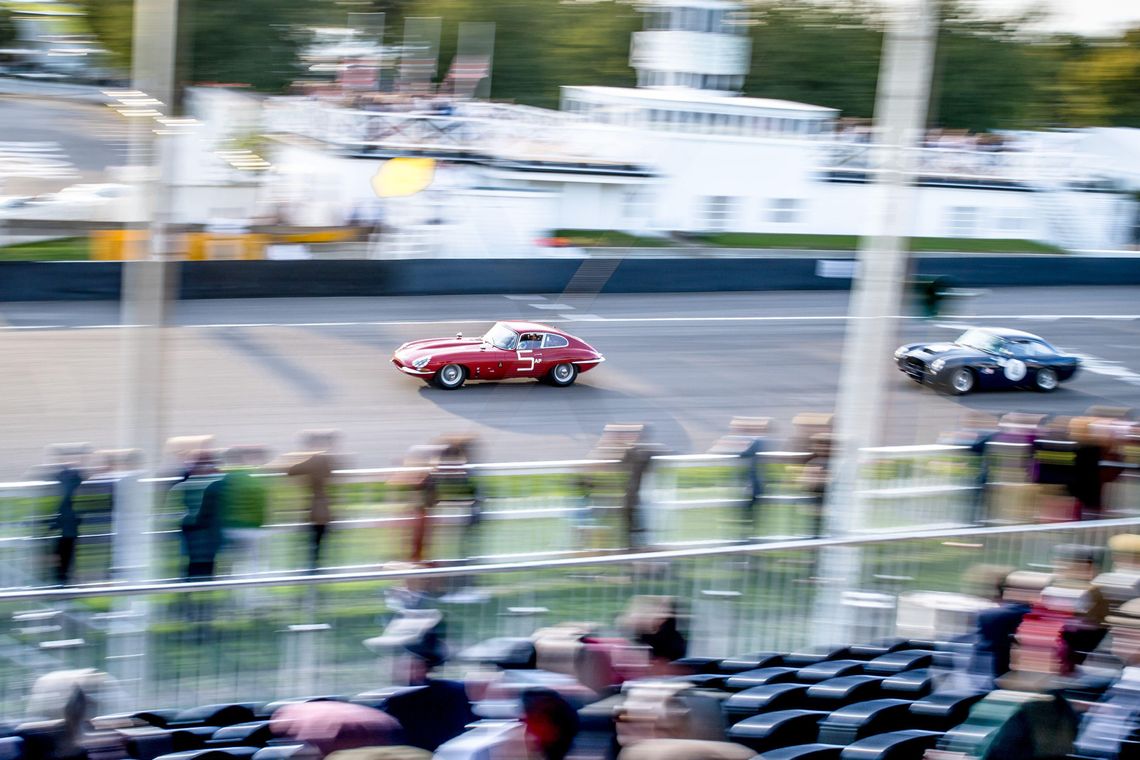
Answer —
1100 84
7 28
112 21
62 249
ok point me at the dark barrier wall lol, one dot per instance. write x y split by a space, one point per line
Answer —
67 281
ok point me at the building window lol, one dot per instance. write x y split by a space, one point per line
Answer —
784 210
719 212
962 221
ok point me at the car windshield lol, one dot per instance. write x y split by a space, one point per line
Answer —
501 336
982 340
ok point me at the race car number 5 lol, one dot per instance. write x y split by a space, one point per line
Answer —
1014 369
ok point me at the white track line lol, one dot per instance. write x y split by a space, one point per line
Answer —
597 318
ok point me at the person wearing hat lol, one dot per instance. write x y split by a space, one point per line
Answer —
1106 728
201 498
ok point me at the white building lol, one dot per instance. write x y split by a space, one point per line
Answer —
680 153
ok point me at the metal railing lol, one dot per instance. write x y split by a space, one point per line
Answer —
259 638
527 509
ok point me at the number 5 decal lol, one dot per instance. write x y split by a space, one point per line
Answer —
1015 370
522 358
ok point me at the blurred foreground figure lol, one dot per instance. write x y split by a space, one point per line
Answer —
70 476
201 498
456 488
747 438
996 627
248 505
417 481
629 444
1109 729
60 707
653 622
315 468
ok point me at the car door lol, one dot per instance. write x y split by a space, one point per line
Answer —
527 359
555 350
493 363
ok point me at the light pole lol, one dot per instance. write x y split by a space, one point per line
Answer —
876 298
147 285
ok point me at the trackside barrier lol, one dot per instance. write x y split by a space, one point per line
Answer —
278 636
527 509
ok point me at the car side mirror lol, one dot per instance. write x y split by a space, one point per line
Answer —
459 336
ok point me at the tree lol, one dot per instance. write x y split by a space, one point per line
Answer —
112 21
8 34
1100 87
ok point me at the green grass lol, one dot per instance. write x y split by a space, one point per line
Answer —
851 243
610 239
60 249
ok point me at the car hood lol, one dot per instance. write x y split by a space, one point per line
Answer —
436 346
929 351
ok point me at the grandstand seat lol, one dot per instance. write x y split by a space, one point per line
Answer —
761 699
286 752
255 734
897 662
160 718
910 684
761 676
148 742
804 752
706 680
750 661
839 692
216 715
811 656
828 669
191 737
11 748
853 722
897 745
784 728
873 649
699 664
943 710
229 753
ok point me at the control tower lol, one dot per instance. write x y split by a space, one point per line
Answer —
699 44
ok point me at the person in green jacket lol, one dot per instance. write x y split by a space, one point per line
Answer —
247 508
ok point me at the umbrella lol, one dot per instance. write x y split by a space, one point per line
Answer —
332 726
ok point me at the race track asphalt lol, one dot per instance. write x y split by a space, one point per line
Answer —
261 371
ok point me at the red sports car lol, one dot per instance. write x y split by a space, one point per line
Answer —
507 350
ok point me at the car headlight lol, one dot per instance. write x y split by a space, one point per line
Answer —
900 352
938 364
421 362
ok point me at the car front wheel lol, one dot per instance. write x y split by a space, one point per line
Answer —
563 375
961 381
1046 380
450 377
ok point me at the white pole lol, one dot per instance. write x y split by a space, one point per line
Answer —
146 286
877 296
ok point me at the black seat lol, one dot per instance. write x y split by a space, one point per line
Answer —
761 699
839 692
160 718
910 684
505 653
878 648
813 655
784 728
699 664
148 742
216 715
804 752
897 662
828 669
760 677
853 722
11 746
944 710
286 752
705 680
229 753
897 745
751 661
185 738
255 734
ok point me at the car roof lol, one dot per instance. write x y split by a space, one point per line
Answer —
530 327
1009 332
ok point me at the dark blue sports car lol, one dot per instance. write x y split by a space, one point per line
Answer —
987 357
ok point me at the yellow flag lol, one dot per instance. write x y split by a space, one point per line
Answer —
399 177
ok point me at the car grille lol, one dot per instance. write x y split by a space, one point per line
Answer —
915 367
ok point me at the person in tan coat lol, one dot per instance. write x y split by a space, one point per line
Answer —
315 469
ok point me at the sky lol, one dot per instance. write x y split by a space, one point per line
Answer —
1095 17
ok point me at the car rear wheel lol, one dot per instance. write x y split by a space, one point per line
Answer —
563 375
962 381
450 377
1046 380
